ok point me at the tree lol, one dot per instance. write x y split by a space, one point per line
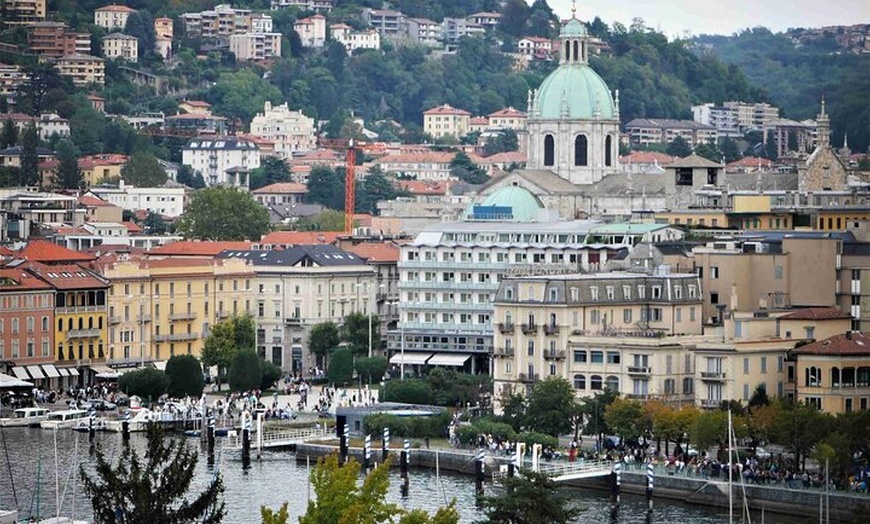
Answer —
143 170
340 499
326 220
360 330
271 171
140 24
154 224
275 517
9 134
68 176
147 383
771 150
464 169
245 372
530 498
709 151
322 339
371 369
189 177
152 486
184 376
550 407
340 369
503 142
626 418
593 409
223 213
30 156
225 340
240 95
374 188
270 374
759 397
326 187
678 147
730 150
411 391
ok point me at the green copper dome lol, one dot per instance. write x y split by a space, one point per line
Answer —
577 87
524 205
573 28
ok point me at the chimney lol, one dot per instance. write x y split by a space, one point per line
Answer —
849 335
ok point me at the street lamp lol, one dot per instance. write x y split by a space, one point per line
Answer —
380 286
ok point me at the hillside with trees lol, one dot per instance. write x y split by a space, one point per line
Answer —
796 77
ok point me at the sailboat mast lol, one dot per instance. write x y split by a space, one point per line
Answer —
56 479
730 470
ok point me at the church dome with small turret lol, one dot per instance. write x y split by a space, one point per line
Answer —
573 117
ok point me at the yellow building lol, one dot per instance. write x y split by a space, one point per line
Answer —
24 12
834 374
80 313
101 166
700 218
841 219
446 121
165 307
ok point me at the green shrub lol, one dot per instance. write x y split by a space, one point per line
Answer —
531 437
340 370
410 391
184 375
245 372
270 374
467 434
147 383
411 427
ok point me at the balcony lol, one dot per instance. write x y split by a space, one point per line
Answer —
637 396
83 333
639 370
223 314
293 321
176 337
529 378
713 376
554 355
145 318
506 328
276 340
710 403
551 329
114 320
529 329
503 352
183 316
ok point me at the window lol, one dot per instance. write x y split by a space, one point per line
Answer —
745 365
579 381
764 364
714 298
688 386
612 383
626 316
684 176
777 272
531 348
610 292
597 357
641 292
594 317
678 292
608 151
810 332
714 272
613 357
549 150
670 386
579 356
581 151
813 377
656 314
656 292
593 290
595 382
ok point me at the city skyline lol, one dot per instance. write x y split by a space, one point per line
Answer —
676 17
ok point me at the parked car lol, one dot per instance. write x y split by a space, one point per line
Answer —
98 404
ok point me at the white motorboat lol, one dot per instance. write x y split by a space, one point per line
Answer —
67 418
25 417
137 419
62 520
8 516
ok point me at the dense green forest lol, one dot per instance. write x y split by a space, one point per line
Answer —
657 78
796 78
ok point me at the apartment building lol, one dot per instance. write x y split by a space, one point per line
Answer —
353 40
47 124
621 331
222 21
224 161
112 17
752 115
386 21
722 118
536 48
26 321
167 200
647 131
255 46
507 118
422 31
486 19
23 12
54 40
82 69
446 120
291 131
164 27
433 166
102 166
11 76
311 30
34 207
318 6
119 45
298 287
282 193
159 308
833 374
453 29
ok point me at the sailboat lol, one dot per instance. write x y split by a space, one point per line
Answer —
732 455
58 519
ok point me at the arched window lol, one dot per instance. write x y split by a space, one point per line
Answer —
81 323
579 381
595 382
60 352
567 50
60 324
835 377
813 377
612 383
549 150
581 151
608 150
576 51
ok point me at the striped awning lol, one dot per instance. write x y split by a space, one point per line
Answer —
64 372
50 371
20 372
35 372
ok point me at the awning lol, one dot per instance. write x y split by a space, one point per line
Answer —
104 372
73 372
21 372
410 358
35 372
64 372
7 381
50 371
448 359
161 365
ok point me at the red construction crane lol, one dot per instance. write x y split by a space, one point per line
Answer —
349 188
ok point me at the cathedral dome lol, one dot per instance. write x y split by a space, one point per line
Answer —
508 203
574 91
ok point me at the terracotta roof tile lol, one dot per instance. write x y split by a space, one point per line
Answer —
116 8
847 344
424 187
281 187
15 279
507 113
446 109
507 157
431 157
196 103
479 121
816 313
68 276
132 227
646 157
195 248
375 251
91 200
44 251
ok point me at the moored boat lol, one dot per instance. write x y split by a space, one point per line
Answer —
25 417
67 418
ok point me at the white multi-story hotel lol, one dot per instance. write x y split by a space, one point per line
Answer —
224 161
119 45
167 200
298 287
112 16
291 131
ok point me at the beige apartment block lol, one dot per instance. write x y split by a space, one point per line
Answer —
82 69
834 374
255 46
23 12
446 121
112 16
119 45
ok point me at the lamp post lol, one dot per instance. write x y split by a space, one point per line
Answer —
374 301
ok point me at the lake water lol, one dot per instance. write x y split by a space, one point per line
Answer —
274 479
